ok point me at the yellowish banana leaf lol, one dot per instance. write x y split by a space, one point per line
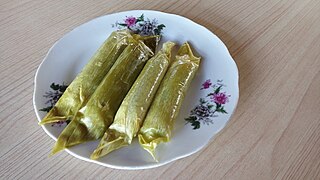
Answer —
86 82
135 105
163 111
92 120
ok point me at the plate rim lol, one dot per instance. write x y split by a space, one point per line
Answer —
206 143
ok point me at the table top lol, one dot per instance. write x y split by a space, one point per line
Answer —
274 133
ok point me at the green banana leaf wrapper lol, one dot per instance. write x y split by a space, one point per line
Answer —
159 121
135 105
92 120
82 87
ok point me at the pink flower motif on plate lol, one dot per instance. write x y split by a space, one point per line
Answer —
206 84
219 98
140 25
130 21
209 105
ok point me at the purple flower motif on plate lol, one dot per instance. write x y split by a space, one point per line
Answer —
140 25
205 111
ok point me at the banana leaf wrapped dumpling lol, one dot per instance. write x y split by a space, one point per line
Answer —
92 120
135 105
158 124
82 87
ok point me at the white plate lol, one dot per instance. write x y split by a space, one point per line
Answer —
68 55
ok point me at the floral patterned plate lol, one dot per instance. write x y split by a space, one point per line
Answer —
208 105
